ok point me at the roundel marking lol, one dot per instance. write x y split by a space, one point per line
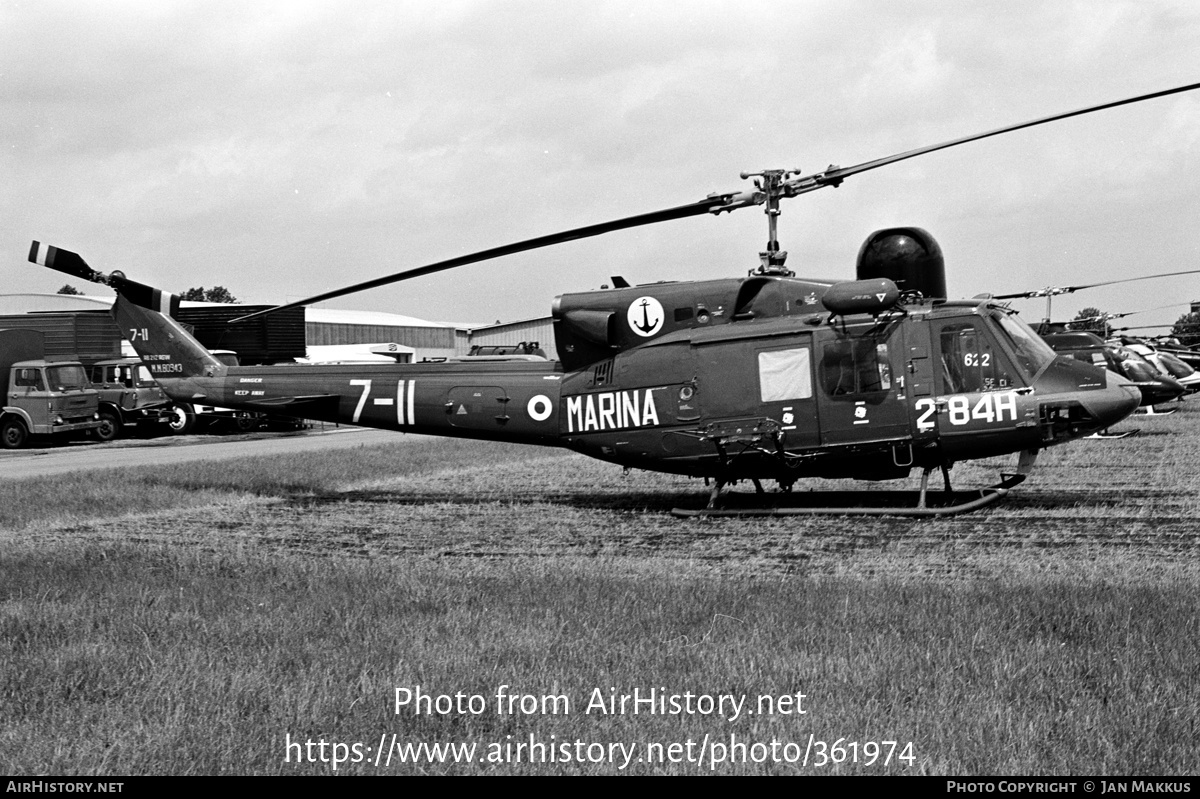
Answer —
645 316
539 408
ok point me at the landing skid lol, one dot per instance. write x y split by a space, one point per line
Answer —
1104 435
857 503
1150 411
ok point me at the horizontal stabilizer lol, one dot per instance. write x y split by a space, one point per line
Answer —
290 402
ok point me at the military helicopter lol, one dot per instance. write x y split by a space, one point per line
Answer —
1165 362
763 377
1155 386
1165 350
1157 381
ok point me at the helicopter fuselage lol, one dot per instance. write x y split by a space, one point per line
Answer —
736 395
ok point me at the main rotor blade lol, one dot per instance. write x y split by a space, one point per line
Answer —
679 212
1054 291
714 204
836 175
1107 316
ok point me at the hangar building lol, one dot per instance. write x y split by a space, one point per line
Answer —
325 330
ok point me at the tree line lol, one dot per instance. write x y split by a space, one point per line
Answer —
194 294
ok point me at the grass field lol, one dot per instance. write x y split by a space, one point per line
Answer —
230 618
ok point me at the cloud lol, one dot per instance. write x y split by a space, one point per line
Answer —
290 144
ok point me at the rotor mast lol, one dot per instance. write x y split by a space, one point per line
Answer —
770 185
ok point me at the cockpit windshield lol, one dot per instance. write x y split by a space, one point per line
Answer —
1028 349
1176 367
1134 365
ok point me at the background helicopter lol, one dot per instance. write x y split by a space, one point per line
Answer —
1159 381
763 377
1166 350
1165 354
1156 386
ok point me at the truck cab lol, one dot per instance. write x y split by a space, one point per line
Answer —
128 396
41 397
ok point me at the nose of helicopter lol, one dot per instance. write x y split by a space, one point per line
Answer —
1119 398
1078 398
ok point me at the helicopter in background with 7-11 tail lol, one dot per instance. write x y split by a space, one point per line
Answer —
767 377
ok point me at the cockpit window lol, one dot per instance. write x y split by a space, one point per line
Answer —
970 362
1176 367
1134 366
1030 351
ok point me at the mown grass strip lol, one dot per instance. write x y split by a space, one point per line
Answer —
1026 640
107 493
124 660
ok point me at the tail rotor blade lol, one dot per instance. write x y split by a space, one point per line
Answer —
72 264
64 261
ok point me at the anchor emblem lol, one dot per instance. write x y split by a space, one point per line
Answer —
645 316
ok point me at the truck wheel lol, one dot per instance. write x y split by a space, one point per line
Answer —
183 418
245 422
13 434
110 427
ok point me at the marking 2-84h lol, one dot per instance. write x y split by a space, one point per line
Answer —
991 408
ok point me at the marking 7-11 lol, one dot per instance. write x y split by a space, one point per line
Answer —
406 391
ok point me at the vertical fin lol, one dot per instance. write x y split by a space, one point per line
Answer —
168 350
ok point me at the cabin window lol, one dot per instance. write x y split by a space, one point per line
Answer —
856 366
785 375
115 375
30 378
970 362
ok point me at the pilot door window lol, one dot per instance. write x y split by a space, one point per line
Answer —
970 362
856 366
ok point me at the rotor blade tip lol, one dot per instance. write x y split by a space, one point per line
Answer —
41 254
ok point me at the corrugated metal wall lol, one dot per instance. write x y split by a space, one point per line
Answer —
539 330
86 335
268 339
429 342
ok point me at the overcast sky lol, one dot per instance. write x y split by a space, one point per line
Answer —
283 149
